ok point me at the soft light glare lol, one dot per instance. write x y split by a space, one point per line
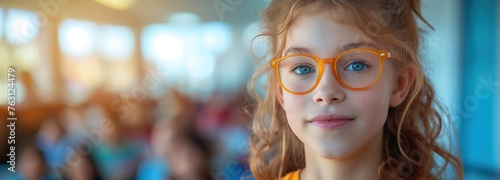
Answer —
21 26
147 37
201 65
216 37
77 38
165 46
162 43
117 4
118 42
168 47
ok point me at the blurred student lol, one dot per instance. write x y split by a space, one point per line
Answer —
52 140
116 156
32 163
82 167
154 165
189 157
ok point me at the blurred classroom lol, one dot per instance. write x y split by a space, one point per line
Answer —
156 89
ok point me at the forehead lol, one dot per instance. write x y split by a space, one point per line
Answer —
323 35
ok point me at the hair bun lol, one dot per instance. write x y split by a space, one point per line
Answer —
400 10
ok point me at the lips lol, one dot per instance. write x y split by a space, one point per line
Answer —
331 121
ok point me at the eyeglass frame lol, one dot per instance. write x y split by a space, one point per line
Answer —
382 54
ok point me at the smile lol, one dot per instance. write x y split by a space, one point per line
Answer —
330 121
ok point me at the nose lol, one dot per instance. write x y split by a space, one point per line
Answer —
329 89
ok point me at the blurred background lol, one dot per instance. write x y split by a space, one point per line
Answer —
152 89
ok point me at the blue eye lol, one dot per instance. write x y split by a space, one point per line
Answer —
303 70
356 66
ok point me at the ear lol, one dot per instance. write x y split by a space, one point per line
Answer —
402 86
279 96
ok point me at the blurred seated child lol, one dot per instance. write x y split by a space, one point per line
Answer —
155 165
83 167
188 156
32 164
52 140
117 156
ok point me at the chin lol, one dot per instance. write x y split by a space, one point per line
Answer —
333 153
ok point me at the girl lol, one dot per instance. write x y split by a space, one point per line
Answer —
346 96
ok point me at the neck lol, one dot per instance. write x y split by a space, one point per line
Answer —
363 164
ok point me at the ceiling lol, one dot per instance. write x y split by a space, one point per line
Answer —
147 11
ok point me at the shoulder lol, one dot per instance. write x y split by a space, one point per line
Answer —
292 176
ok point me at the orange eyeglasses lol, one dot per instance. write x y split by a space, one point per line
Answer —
354 69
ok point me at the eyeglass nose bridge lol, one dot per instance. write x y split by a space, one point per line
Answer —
331 61
328 60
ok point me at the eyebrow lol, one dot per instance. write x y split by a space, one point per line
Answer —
304 50
298 50
358 45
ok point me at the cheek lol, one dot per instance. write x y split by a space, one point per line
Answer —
371 100
294 104
372 104
295 107
376 99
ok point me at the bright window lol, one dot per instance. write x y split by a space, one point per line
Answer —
24 49
216 36
82 70
164 46
77 38
117 42
21 26
189 53
95 55
117 48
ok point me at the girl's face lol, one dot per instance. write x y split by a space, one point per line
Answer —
333 121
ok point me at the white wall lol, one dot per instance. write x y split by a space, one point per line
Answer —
441 49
